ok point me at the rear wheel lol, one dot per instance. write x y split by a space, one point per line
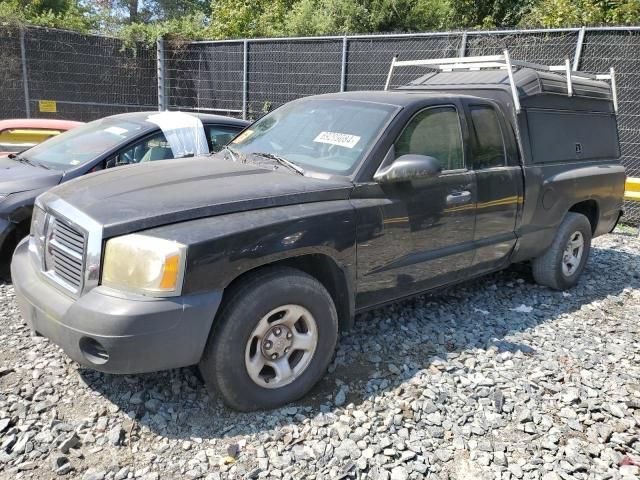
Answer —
562 264
273 341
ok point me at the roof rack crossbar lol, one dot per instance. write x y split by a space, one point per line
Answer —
504 62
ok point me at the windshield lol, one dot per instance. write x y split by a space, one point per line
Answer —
328 136
84 143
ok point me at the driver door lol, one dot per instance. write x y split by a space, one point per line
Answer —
419 234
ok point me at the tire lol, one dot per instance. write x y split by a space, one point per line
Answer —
548 268
241 338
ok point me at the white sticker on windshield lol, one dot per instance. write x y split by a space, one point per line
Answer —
116 130
341 139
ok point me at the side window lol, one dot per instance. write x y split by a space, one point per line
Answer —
150 149
486 135
220 135
434 132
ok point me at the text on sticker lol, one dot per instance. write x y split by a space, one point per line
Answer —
341 139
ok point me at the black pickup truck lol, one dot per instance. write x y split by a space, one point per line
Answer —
250 263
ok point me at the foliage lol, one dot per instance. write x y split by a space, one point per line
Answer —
562 13
146 20
489 14
317 17
67 14
145 11
248 18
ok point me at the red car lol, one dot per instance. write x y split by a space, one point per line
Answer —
18 135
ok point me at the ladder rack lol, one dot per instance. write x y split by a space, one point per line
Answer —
504 62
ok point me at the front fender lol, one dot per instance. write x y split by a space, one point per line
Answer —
222 248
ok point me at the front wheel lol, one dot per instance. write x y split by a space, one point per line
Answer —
562 264
273 341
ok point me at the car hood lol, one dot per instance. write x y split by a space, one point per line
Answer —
138 197
20 177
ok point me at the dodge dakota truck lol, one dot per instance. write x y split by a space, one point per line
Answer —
249 264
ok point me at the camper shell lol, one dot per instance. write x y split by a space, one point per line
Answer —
558 114
556 121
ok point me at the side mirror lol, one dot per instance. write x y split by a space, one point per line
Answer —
409 167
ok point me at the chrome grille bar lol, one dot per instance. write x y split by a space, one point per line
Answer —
64 254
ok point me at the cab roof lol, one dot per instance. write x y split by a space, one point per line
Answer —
141 117
398 98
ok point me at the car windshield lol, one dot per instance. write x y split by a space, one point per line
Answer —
319 135
84 143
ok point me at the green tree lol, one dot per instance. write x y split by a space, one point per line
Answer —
489 14
177 9
317 17
248 18
564 13
66 14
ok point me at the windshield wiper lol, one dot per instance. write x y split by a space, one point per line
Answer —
22 159
281 161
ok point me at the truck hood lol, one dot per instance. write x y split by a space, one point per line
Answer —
21 177
138 197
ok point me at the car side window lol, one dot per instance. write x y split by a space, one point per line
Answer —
487 143
149 149
220 135
434 132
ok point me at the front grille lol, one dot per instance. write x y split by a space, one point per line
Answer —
65 252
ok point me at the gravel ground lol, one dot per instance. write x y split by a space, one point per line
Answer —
497 378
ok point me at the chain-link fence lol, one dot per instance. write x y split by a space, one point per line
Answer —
58 74
11 75
86 77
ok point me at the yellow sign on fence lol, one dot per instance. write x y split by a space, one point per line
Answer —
48 106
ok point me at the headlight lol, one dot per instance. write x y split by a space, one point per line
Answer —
143 264
38 219
38 231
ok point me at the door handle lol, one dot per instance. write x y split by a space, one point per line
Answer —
458 198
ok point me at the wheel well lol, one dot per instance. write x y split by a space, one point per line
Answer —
324 269
588 208
19 231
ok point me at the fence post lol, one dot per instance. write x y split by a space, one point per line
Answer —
160 65
343 68
245 77
463 45
25 74
576 58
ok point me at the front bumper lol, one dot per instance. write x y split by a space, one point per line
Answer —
112 332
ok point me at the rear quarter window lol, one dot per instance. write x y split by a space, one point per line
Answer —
487 140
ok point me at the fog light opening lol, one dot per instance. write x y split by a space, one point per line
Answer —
93 351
